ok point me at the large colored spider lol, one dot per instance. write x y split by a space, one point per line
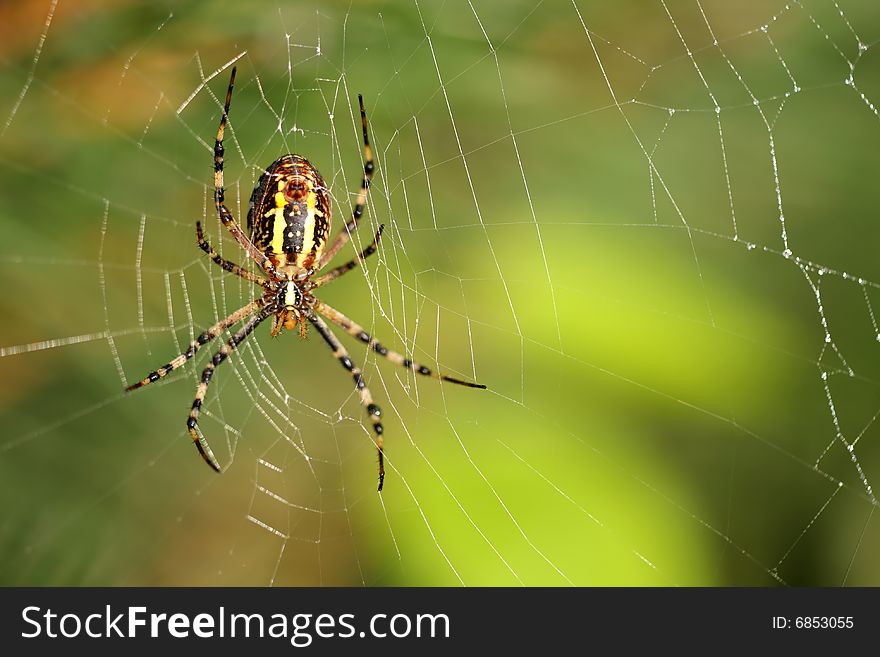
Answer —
289 224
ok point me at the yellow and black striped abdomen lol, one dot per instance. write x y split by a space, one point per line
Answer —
289 214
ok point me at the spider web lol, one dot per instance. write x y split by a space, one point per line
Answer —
647 227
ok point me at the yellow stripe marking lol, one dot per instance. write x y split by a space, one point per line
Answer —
278 228
308 230
279 224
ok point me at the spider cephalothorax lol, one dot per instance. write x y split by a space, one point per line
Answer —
288 225
291 306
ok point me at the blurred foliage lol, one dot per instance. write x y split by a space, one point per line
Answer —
663 405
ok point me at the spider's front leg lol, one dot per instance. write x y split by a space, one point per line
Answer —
366 398
192 422
196 344
356 330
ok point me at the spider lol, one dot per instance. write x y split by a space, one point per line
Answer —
289 223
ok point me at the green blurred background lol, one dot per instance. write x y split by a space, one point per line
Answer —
569 220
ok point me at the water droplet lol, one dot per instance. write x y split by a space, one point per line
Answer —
786 253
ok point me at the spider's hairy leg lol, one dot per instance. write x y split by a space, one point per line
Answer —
192 422
226 265
361 202
366 398
223 212
196 344
356 330
336 272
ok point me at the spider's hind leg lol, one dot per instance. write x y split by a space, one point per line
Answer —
226 265
336 272
361 201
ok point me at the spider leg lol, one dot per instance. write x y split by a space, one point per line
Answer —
227 265
219 199
192 422
196 344
336 272
366 398
352 328
344 235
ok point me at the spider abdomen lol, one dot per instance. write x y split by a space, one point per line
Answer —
289 214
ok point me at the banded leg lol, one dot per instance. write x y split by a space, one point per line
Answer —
192 422
366 398
361 203
356 330
223 212
226 265
335 273
196 344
